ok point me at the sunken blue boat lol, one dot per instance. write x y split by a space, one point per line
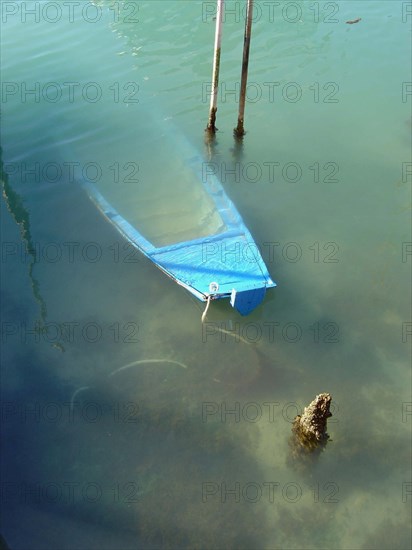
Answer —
190 229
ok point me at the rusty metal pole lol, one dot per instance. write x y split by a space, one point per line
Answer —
239 131
216 66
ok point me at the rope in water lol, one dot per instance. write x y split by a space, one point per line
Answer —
141 361
213 288
128 366
82 388
206 308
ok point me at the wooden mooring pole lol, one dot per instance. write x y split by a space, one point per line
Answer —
216 66
239 131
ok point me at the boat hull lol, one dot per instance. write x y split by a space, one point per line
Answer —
224 264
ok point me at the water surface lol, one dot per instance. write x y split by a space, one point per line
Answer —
191 451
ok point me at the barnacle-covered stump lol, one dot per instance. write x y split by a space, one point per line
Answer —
309 429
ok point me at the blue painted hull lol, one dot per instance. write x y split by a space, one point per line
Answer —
223 264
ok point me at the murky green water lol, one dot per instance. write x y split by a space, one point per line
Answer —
191 449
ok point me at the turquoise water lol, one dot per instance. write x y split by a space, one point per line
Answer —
151 456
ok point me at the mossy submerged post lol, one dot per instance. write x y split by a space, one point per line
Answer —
239 131
309 429
211 127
